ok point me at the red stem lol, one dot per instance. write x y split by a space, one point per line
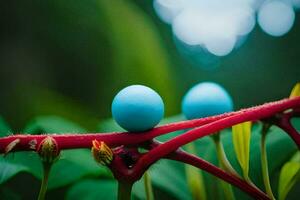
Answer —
212 169
285 124
208 126
71 141
251 114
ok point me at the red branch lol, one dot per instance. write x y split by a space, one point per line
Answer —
169 149
72 141
252 114
190 159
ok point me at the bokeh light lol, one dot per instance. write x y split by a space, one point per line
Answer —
276 17
221 26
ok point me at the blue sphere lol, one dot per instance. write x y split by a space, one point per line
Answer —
206 99
137 108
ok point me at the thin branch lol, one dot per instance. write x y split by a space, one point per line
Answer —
212 169
72 141
252 114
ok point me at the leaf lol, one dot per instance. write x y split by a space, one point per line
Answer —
128 37
93 189
289 175
72 165
173 180
280 148
295 91
195 178
52 124
241 135
9 169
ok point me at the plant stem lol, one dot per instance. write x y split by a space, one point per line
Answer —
44 185
227 189
172 145
264 161
72 141
285 124
194 177
187 158
225 164
148 186
124 190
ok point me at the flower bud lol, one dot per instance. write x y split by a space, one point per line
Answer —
101 152
48 150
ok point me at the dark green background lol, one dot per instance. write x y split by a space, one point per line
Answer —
70 57
57 55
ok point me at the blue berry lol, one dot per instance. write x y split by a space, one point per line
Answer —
206 99
137 108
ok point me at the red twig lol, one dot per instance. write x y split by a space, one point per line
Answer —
206 126
284 122
72 141
212 169
251 114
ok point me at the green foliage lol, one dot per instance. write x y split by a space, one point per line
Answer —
72 165
241 134
93 189
195 178
79 170
289 175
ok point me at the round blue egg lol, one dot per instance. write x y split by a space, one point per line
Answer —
206 99
137 108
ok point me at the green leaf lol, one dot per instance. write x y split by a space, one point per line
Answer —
52 124
170 177
9 169
241 135
72 165
93 189
289 175
128 37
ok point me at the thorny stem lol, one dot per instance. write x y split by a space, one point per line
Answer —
264 161
44 185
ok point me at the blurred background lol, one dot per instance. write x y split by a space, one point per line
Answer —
69 58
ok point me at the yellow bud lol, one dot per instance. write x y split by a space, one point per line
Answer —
101 152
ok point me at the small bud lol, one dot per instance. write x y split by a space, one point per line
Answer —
102 153
48 150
